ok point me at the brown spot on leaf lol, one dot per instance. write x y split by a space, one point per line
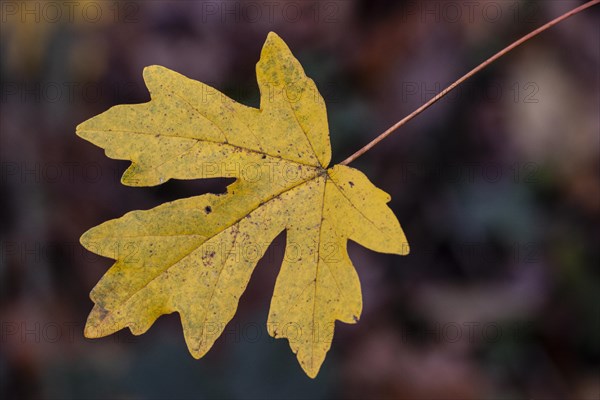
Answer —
103 313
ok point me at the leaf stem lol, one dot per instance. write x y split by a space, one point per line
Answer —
464 78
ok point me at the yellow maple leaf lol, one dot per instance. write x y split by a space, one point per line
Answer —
195 256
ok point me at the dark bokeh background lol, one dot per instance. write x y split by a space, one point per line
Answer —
496 187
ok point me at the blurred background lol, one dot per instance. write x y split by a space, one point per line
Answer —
496 186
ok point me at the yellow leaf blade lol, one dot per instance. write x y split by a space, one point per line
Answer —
317 284
291 103
195 256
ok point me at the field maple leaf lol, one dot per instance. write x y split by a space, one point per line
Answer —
195 255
